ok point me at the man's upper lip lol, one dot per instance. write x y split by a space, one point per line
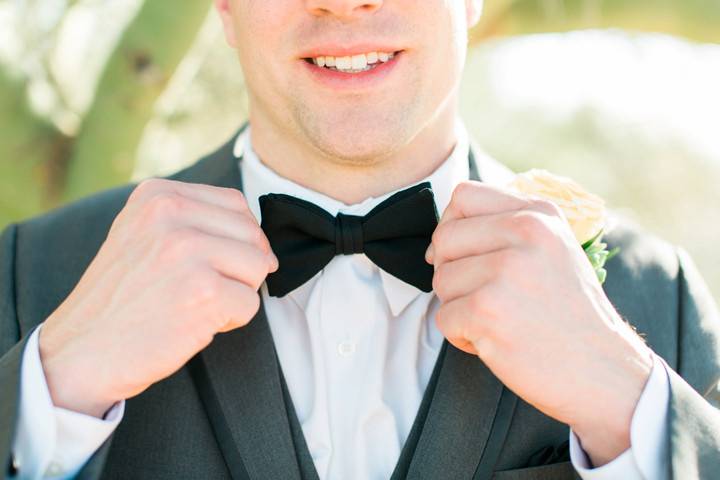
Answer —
335 50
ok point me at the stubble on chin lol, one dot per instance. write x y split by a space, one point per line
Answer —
353 138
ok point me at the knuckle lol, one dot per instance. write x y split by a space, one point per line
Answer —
531 227
204 289
163 206
443 234
465 187
146 188
462 191
441 319
256 234
482 314
545 206
252 303
260 272
256 266
236 197
438 235
484 347
248 303
251 232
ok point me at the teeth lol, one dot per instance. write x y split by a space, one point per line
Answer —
343 63
354 64
359 62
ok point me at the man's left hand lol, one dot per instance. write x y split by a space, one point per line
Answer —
518 290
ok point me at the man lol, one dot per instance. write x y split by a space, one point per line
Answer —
160 332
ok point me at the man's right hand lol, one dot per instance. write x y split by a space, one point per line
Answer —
181 262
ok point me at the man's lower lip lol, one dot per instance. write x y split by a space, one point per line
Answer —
341 80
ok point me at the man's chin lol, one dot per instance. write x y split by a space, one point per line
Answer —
360 151
359 136
354 145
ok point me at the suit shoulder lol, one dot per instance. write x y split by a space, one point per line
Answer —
642 284
641 252
80 218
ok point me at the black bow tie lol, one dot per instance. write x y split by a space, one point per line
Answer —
394 235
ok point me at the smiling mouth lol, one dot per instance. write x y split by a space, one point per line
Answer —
363 62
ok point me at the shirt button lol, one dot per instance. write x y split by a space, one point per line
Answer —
346 349
54 470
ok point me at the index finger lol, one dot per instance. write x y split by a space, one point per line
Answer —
473 199
229 198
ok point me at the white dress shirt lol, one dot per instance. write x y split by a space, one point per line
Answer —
356 365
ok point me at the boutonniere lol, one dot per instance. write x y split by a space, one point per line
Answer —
584 211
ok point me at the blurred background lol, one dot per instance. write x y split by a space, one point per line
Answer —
622 95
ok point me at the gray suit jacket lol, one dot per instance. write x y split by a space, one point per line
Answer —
227 414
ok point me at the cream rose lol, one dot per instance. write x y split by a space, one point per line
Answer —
584 211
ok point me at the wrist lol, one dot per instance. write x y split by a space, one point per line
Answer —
604 431
71 383
603 441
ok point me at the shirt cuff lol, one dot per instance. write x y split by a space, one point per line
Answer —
648 450
52 442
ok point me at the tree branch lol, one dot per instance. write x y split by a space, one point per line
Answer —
136 74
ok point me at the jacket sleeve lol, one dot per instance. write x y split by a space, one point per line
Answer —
12 347
694 418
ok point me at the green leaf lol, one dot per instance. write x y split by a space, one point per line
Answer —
592 240
597 253
613 252
601 274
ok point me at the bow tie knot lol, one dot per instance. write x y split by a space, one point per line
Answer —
348 234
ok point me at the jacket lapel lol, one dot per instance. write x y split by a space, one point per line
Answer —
468 417
461 420
244 401
238 374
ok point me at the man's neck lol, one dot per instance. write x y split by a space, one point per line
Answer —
353 183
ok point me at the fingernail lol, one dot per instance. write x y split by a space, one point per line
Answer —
429 254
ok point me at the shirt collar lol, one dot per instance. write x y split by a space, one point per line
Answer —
259 179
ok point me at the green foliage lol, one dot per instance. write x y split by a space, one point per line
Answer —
136 74
40 166
30 148
697 20
598 255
